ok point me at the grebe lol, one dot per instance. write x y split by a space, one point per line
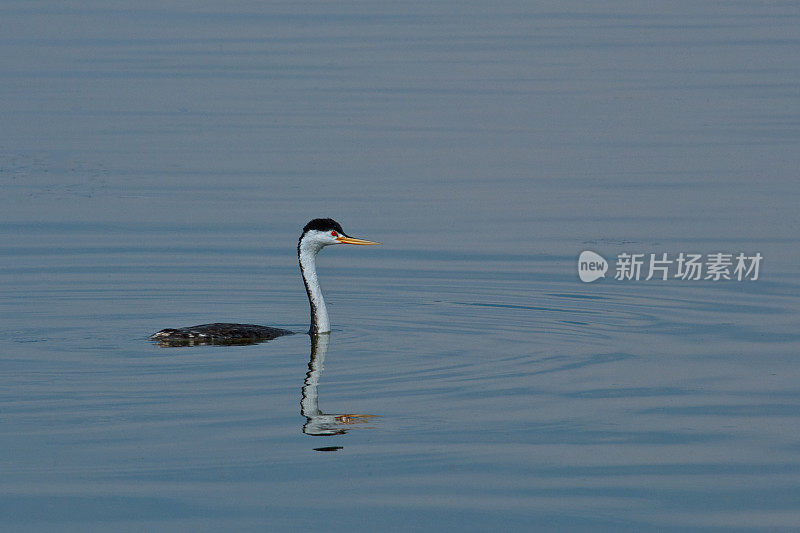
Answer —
317 234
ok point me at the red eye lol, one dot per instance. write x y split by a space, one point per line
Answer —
334 234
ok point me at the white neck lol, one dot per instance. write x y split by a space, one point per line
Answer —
307 252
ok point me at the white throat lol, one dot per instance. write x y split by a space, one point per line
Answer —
307 252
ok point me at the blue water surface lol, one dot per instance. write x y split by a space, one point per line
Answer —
159 159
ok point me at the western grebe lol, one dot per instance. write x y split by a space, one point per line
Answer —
317 234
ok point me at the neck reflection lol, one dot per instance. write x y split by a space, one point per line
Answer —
317 422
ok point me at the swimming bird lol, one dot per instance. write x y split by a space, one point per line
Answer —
317 234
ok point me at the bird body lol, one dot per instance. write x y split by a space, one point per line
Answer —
317 234
218 333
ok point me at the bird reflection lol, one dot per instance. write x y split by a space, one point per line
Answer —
317 422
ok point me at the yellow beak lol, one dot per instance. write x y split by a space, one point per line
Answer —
352 240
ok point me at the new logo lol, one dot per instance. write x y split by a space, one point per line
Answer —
591 266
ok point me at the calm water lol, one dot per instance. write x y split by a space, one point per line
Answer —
157 163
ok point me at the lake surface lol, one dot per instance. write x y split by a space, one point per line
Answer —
159 159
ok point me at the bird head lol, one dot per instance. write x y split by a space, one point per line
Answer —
322 232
